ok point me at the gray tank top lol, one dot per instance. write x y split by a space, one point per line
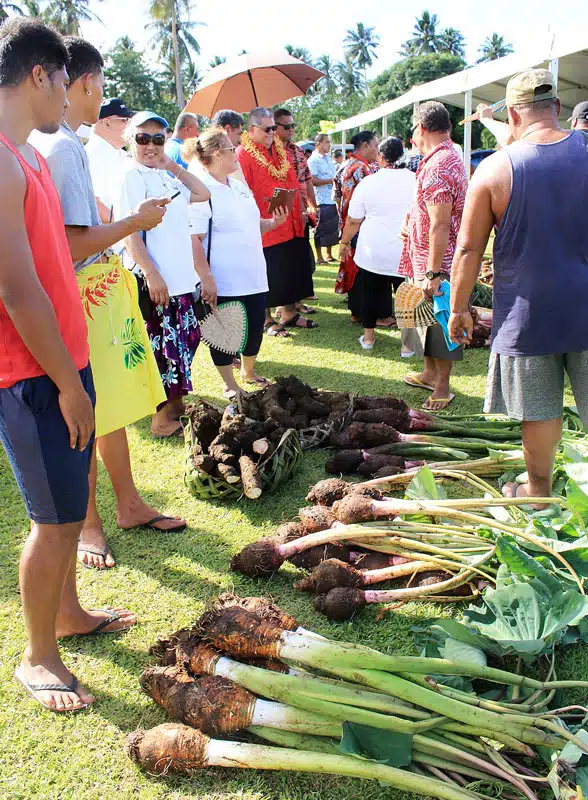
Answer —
541 251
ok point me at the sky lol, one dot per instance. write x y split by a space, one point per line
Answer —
234 25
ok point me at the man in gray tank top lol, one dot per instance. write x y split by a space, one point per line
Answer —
534 191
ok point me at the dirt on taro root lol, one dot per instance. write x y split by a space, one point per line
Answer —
326 492
340 604
316 518
330 575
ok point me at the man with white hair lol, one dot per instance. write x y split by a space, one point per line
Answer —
266 167
534 192
106 155
186 127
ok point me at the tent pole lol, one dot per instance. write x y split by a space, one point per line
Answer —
384 127
554 69
250 76
467 134
344 142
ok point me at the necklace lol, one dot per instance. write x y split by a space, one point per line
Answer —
279 173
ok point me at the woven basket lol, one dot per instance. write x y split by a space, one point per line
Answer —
318 436
273 470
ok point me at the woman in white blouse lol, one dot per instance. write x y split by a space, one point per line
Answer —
377 210
164 260
228 230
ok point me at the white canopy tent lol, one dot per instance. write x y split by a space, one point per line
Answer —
567 57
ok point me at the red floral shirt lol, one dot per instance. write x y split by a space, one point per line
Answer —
441 179
300 164
262 185
354 172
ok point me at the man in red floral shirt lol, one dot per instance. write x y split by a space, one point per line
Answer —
429 237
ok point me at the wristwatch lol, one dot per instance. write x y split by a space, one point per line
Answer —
429 275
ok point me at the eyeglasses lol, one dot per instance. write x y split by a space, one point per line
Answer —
290 127
269 129
143 139
230 149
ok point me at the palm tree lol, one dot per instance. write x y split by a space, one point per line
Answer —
325 64
6 7
494 47
68 15
361 45
173 36
216 61
348 77
300 53
452 41
425 38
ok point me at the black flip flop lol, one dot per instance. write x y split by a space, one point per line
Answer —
87 548
161 518
275 329
33 688
113 616
292 323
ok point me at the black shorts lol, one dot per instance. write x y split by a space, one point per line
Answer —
52 478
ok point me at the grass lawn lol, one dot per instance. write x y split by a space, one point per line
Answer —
168 579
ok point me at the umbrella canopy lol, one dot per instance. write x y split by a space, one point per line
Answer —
252 80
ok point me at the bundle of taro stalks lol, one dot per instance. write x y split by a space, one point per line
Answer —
385 437
353 537
231 675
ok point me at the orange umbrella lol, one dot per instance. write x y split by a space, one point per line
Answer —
252 80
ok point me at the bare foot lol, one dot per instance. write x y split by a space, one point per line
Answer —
97 554
512 489
56 673
139 513
81 624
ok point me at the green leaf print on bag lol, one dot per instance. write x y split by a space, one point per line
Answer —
132 344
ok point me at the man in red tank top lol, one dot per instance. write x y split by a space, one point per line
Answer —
46 389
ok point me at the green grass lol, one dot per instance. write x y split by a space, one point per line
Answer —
168 579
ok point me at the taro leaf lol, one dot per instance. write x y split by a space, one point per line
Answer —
385 747
423 486
445 629
569 772
582 779
578 472
455 650
566 609
577 500
522 564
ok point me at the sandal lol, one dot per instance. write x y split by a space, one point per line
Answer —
292 323
33 688
412 379
275 329
88 548
304 309
162 518
260 381
437 403
113 616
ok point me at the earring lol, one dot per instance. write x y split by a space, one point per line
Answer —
88 92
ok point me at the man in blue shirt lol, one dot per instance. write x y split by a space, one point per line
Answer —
186 128
323 169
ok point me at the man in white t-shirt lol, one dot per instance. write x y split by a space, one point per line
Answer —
106 155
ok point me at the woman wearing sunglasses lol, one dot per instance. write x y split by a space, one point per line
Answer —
163 258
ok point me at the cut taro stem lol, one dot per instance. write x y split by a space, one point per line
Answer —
385 596
174 748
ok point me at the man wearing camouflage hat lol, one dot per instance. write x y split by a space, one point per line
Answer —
533 191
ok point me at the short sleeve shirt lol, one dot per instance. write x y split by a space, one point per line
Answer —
173 150
323 168
441 180
169 244
300 164
70 171
354 171
236 253
107 166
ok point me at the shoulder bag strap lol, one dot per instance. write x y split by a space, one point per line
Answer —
209 233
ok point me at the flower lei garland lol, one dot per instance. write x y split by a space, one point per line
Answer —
279 173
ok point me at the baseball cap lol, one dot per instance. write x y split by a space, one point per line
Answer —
530 86
114 108
146 116
580 111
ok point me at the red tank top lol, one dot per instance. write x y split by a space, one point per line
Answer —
53 264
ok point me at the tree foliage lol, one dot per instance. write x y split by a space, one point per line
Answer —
173 36
494 47
425 37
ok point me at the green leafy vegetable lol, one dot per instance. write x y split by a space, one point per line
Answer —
385 747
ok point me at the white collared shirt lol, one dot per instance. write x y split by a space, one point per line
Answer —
169 244
236 253
107 166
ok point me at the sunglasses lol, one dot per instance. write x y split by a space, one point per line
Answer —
290 127
269 129
143 139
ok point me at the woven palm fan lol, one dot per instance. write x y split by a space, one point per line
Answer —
411 308
225 327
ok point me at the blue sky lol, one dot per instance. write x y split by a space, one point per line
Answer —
233 25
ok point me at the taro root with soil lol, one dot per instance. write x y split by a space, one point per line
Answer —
333 574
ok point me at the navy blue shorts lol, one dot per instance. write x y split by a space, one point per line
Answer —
52 478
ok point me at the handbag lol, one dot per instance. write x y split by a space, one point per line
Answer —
224 328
